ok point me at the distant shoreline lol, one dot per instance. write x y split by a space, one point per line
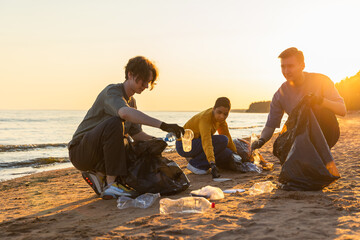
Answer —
245 111
238 110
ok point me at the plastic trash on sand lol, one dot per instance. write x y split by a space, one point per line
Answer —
251 162
262 187
187 140
238 190
185 205
221 179
258 159
213 193
143 201
251 167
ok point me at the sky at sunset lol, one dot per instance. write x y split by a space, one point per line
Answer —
61 54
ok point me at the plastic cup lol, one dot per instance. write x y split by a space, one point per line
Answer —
187 140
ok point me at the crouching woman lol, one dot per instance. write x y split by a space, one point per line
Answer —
210 151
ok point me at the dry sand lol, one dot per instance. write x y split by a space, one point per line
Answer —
60 205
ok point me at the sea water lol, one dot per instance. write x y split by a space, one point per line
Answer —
36 140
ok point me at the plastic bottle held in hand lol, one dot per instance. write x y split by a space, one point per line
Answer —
255 153
187 140
185 205
170 137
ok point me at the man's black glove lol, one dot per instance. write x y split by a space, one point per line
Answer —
174 128
315 100
214 170
257 144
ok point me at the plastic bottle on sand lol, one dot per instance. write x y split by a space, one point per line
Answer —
261 187
185 205
143 201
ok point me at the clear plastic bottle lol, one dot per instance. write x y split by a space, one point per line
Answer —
261 187
143 201
187 140
255 153
170 137
185 205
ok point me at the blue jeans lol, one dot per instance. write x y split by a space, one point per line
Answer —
199 160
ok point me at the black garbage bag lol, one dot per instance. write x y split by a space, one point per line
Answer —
243 148
149 172
329 125
244 151
307 163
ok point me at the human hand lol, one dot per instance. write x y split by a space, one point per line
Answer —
314 99
214 170
174 128
257 144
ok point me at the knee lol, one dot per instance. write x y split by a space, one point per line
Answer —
220 140
114 125
223 139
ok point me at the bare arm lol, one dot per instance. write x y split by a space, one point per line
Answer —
267 133
336 107
135 116
141 136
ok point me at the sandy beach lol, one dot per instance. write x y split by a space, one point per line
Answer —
60 205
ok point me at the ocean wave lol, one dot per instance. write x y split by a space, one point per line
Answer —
36 162
247 127
12 120
27 147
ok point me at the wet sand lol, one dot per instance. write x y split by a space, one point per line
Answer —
60 205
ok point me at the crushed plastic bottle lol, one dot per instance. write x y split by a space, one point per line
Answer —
143 201
237 158
259 161
261 187
185 205
251 167
170 137
267 166
187 140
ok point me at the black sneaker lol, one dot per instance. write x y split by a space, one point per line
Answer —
96 182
